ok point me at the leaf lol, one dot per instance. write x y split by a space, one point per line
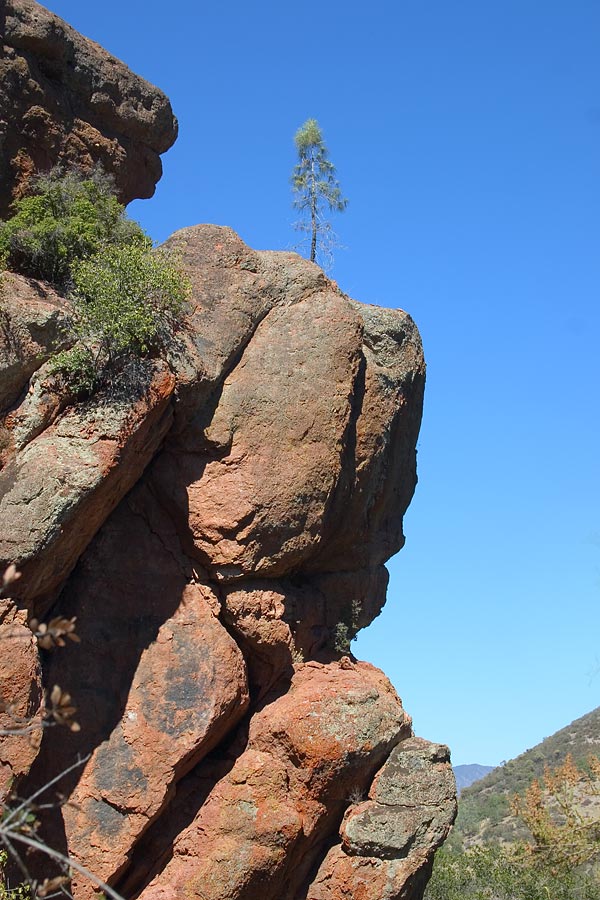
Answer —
10 576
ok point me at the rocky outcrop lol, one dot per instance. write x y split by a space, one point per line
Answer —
61 485
266 822
219 531
217 525
386 841
33 325
20 696
64 99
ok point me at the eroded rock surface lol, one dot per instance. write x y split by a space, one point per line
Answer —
173 683
64 99
220 533
20 696
264 824
33 325
56 492
387 841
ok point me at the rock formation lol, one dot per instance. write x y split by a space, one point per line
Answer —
217 532
64 99
218 524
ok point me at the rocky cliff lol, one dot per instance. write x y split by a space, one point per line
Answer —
63 99
219 525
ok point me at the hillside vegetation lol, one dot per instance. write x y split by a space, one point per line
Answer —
484 814
529 830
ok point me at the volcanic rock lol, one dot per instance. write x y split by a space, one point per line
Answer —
173 683
387 841
411 807
64 99
296 477
20 696
33 325
57 491
218 525
264 824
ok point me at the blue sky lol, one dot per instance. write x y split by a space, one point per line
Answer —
467 139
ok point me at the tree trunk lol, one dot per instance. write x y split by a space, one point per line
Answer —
313 212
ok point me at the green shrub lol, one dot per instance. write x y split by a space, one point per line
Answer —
347 629
341 638
127 298
21 892
68 217
494 873
78 369
128 301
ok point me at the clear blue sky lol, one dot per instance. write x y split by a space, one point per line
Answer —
467 139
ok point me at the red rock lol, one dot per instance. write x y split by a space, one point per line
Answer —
20 696
157 680
256 616
264 822
277 477
268 468
66 100
40 408
413 808
181 704
260 505
381 474
234 287
56 493
33 323
388 841
343 877
319 604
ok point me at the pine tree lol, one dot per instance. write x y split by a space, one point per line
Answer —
316 187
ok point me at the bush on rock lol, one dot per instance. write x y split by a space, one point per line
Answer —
127 297
68 217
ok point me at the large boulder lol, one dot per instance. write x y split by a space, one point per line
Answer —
266 822
270 475
219 529
63 483
20 696
387 842
34 322
173 684
64 99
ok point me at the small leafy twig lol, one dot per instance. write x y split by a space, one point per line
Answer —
61 709
52 634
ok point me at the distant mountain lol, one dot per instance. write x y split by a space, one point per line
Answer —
466 775
484 808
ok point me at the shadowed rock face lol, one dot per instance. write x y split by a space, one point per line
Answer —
220 532
63 99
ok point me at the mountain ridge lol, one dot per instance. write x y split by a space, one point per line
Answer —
467 774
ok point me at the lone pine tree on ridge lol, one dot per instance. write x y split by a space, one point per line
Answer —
316 187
